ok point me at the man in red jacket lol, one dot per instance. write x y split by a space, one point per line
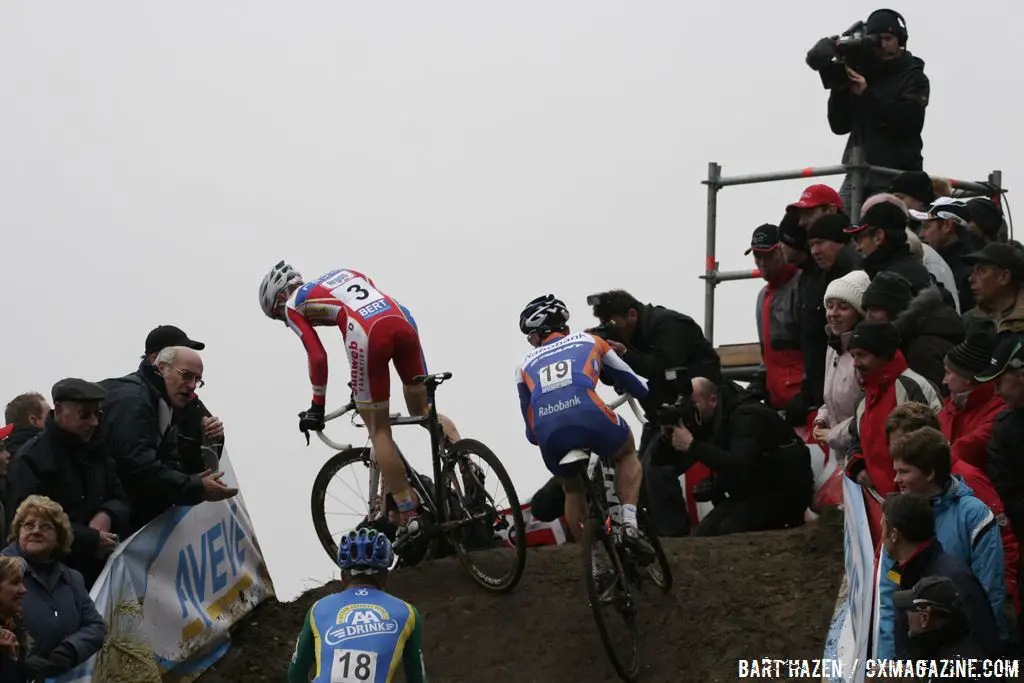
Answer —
969 414
888 383
778 324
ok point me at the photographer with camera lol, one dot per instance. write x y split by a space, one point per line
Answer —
652 340
878 95
761 470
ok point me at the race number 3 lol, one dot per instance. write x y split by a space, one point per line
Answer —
357 292
354 666
555 376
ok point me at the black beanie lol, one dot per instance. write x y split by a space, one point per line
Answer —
830 227
987 215
972 356
890 292
883 21
916 184
881 339
791 233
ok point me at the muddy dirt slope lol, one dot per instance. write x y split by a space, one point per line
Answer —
745 596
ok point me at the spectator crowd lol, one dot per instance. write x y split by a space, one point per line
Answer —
80 475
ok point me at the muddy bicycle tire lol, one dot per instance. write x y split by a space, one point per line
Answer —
593 533
334 464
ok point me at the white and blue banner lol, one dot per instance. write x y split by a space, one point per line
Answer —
170 593
850 631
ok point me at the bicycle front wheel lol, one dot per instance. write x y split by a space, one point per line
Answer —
483 520
610 599
340 500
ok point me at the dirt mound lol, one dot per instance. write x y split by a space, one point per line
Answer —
746 596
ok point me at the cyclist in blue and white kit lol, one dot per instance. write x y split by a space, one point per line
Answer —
362 633
563 412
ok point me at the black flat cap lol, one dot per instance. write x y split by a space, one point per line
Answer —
74 389
169 335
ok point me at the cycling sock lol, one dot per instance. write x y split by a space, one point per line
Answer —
405 502
628 513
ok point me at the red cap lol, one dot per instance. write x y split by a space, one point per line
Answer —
6 431
817 195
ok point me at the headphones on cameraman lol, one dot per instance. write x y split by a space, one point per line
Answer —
901 27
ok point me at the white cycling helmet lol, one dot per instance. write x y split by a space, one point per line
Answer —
276 281
543 314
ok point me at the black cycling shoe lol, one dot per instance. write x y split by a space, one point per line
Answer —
637 545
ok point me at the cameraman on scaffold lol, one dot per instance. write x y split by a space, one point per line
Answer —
761 475
878 93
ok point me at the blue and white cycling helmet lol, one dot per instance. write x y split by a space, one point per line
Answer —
543 314
365 551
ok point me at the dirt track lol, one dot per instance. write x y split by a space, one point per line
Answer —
746 596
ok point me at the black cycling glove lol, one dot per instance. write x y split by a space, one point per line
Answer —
312 420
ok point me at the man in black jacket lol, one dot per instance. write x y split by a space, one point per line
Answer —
754 456
908 533
143 440
945 228
196 424
69 464
881 240
28 413
652 339
882 106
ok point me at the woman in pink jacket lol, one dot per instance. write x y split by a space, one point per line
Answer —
842 389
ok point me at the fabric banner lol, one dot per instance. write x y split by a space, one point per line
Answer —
170 593
850 631
537 532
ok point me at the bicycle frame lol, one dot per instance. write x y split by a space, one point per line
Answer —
397 419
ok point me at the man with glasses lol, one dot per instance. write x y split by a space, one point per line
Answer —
200 433
908 534
142 436
67 463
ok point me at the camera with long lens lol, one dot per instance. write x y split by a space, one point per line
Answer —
606 330
854 48
682 409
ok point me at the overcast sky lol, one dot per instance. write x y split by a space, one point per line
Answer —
158 158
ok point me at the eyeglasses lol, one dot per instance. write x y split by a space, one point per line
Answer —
41 526
189 376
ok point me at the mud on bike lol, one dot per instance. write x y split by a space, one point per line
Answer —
612 587
457 512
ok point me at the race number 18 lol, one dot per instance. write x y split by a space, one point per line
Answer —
555 376
354 666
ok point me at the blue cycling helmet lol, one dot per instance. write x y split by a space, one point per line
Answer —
365 551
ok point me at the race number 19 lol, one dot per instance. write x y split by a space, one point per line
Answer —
555 376
354 666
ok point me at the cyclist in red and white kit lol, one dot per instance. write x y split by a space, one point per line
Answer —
377 331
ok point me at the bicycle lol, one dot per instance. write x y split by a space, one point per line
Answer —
600 530
463 516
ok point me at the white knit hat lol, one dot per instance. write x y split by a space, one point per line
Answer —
849 288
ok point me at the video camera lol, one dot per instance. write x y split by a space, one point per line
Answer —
854 48
682 410
606 330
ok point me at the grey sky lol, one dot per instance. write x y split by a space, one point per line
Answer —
160 157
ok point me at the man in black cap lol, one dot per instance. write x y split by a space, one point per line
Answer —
944 227
913 188
986 223
831 248
778 324
908 535
882 105
881 239
927 327
69 464
1005 466
888 382
997 272
196 424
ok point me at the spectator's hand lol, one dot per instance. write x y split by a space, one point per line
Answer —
617 347
108 542
101 521
213 488
819 432
682 439
60 659
864 479
312 420
857 83
8 643
213 428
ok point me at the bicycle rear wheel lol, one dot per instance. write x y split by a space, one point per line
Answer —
480 500
610 599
